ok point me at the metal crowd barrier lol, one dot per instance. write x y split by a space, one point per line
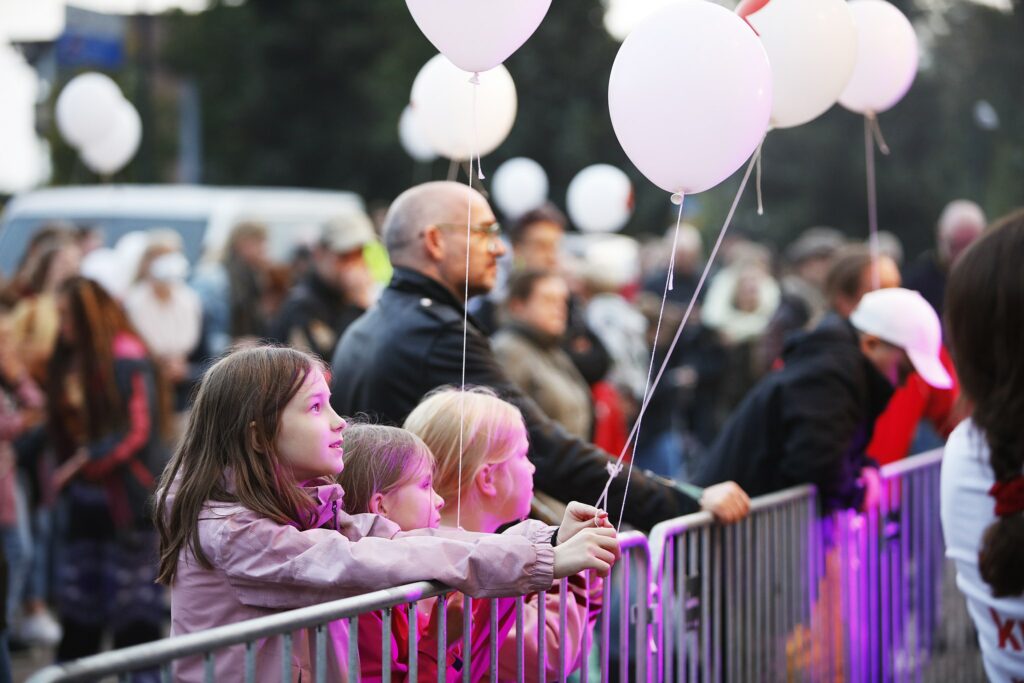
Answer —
782 596
628 587
788 596
728 597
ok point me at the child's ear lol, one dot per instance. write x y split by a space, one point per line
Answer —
484 481
377 505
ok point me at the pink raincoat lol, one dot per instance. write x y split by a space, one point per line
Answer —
261 567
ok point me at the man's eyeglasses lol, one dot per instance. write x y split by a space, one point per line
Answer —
485 229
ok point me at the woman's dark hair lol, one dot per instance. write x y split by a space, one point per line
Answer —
97 319
985 324
844 277
522 283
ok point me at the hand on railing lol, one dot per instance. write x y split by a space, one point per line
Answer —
594 548
872 484
726 501
578 517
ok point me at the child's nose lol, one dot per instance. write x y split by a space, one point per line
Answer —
340 425
438 502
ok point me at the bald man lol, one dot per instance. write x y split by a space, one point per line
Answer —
961 222
411 342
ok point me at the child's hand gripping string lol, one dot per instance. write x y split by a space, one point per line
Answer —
581 545
579 517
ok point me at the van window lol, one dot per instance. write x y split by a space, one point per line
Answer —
16 234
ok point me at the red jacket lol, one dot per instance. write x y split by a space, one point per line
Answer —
914 400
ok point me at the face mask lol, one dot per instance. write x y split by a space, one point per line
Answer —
169 268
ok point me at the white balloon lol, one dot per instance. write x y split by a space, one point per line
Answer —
444 101
600 199
689 95
886 58
520 185
478 36
413 137
812 47
86 108
110 154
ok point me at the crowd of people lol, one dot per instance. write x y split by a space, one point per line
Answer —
172 433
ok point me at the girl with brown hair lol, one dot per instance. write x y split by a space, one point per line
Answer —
106 408
982 491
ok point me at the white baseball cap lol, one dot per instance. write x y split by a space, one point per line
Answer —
903 318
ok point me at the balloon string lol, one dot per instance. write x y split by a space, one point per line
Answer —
669 284
475 80
869 164
614 468
760 202
876 130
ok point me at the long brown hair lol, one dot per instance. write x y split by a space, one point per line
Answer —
379 458
228 452
97 319
985 321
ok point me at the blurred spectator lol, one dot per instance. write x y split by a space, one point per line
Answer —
610 265
89 239
689 254
741 301
660 442
982 485
21 406
34 322
107 410
811 421
166 312
803 303
42 238
536 238
899 425
960 224
336 291
528 348
231 290
890 245
853 275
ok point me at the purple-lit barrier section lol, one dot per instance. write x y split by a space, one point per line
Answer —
788 596
621 647
782 596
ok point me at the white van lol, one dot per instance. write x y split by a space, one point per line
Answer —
203 215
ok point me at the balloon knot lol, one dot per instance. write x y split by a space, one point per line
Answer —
677 198
613 468
475 79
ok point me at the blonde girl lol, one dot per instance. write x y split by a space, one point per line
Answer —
496 487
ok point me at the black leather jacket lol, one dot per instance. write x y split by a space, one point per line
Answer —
410 343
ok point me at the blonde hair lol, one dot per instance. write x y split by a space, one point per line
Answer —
493 430
379 459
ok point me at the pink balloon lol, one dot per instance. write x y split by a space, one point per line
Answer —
690 95
474 35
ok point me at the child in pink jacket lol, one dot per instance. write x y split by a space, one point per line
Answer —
251 521
389 472
480 443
